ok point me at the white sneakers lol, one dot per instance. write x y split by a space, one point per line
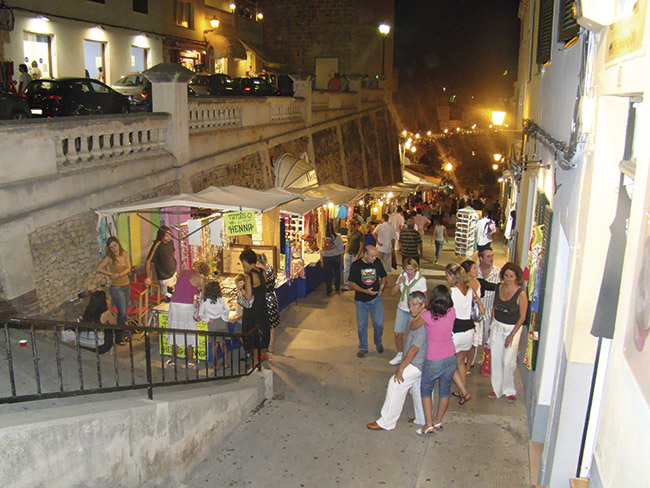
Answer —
397 359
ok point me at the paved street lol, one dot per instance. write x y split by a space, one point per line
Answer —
313 432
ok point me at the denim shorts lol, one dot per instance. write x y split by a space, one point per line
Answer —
442 370
402 320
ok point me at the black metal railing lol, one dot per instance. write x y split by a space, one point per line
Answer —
49 359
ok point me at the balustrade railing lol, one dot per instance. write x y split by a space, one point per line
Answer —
108 137
214 114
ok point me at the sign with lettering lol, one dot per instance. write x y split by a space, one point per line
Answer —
240 223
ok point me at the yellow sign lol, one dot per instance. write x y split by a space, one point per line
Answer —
240 223
625 36
167 340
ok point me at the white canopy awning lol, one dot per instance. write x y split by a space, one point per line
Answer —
228 198
292 172
411 176
182 200
332 192
398 189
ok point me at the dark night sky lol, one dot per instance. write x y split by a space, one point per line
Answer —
462 44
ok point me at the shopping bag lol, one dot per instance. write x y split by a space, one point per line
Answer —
486 369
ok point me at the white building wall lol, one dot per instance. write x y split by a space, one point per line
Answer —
584 205
67 45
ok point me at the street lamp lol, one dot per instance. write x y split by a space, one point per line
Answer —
497 157
495 166
384 29
449 167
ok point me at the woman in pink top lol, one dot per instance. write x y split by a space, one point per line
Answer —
440 363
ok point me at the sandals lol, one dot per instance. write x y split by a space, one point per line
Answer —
423 431
457 394
465 399
438 426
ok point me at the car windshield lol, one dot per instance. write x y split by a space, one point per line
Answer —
41 86
130 80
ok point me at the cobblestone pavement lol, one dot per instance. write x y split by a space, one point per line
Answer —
313 432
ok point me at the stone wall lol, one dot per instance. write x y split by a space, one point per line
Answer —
66 253
328 157
354 154
248 172
342 29
369 142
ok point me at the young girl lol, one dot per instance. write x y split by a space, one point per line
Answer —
440 362
214 311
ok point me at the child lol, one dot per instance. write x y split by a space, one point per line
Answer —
214 311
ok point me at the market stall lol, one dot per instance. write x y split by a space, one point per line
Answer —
213 225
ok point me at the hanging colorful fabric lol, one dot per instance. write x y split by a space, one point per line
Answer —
343 212
350 211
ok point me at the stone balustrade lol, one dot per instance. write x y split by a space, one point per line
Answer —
106 138
223 113
49 146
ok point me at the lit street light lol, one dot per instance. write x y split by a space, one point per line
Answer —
497 157
495 166
449 167
384 29
498 117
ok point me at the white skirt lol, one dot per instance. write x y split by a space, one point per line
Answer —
463 341
181 316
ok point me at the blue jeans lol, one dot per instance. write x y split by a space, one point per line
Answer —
120 297
442 370
332 265
438 248
376 309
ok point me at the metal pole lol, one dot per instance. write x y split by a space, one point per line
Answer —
383 53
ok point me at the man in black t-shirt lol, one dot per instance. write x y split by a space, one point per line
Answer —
368 280
162 255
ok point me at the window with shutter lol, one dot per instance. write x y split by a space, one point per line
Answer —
545 32
569 27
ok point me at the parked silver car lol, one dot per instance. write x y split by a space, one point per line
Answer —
132 85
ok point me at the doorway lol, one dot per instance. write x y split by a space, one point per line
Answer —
94 61
138 58
38 47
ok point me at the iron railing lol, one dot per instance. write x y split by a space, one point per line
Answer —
41 361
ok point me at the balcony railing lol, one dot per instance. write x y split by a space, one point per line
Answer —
46 359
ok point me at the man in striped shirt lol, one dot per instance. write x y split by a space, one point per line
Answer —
410 242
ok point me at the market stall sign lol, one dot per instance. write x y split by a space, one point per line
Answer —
240 223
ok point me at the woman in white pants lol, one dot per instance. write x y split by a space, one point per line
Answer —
508 315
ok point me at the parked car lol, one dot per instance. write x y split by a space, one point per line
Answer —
133 86
217 84
73 96
200 85
254 86
13 106
283 83
221 84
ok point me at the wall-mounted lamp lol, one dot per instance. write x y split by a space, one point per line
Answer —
42 18
214 23
233 6
260 15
